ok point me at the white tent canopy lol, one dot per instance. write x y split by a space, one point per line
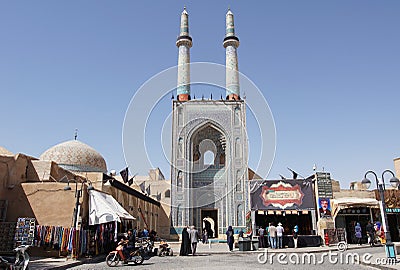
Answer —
343 203
104 208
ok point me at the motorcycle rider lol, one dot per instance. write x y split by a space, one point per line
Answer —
130 245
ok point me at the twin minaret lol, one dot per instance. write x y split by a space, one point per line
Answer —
231 43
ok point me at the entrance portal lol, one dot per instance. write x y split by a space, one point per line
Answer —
210 222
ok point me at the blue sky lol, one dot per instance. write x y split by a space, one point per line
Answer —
329 70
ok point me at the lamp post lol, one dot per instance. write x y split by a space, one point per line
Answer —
78 194
380 184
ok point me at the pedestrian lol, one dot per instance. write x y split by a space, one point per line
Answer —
268 236
295 235
279 234
185 245
152 236
272 235
358 233
370 233
261 232
145 232
194 238
241 233
205 236
230 238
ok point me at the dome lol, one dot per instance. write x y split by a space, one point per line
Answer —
76 156
5 152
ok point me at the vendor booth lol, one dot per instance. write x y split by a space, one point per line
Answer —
290 202
346 212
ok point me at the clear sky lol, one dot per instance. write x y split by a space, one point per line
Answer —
330 71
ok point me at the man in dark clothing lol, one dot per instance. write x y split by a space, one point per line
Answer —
130 244
370 233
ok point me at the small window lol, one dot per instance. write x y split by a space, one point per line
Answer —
167 193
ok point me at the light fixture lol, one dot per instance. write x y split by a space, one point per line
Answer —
90 187
366 183
67 187
394 181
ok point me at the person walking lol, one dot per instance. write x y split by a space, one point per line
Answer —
230 238
370 233
205 236
185 245
279 234
272 235
267 235
261 232
194 238
295 235
358 232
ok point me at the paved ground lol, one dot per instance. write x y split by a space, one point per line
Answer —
218 257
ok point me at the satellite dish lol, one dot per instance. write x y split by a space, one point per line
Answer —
113 173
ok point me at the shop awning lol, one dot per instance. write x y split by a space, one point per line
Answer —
104 208
343 203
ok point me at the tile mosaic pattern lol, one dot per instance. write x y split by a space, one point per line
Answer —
76 156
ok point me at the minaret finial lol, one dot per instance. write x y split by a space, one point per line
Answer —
76 134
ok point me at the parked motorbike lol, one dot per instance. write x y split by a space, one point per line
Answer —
116 256
148 248
20 262
164 249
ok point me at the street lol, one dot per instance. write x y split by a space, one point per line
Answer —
247 261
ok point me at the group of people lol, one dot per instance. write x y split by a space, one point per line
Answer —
272 236
130 240
190 238
372 231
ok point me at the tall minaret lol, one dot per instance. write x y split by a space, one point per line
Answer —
184 43
231 43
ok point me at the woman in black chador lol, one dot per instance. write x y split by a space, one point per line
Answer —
185 245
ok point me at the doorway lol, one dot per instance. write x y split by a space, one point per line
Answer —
209 219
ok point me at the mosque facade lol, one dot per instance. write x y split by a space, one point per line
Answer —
209 162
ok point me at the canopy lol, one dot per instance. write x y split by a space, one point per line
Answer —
343 203
104 208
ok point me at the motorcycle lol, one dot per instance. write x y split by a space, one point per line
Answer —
148 248
164 249
135 256
20 262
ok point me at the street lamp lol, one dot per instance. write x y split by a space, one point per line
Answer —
380 184
78 194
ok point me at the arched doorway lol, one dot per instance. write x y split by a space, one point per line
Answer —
210 222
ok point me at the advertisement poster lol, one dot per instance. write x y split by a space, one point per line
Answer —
281 195
324 205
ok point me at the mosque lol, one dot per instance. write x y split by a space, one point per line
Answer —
211 195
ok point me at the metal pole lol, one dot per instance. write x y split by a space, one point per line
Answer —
389 246
77 195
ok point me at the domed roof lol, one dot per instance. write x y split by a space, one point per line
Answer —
76 156
5 152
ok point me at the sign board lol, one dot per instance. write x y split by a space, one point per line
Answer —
392 210
324 184
281 195
25 231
